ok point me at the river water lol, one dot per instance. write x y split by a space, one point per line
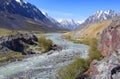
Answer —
45 66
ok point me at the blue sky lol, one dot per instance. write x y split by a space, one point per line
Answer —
74 9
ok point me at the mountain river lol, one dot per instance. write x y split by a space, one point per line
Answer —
45 66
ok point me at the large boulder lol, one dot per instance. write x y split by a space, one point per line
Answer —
108 68
18 42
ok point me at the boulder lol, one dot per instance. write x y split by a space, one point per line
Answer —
18 42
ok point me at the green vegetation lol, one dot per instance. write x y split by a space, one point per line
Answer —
4 57
70 71
67 35
44 44
94 53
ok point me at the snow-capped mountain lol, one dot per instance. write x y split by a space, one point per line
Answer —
100 16
69 23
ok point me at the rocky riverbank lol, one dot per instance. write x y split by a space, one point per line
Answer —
21 45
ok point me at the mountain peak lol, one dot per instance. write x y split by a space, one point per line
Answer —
99 12
101 15
107 12
68 23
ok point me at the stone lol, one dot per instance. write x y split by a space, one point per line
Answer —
18 43
111 38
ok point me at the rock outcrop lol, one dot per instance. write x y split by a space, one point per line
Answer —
18 42
111 38
108 68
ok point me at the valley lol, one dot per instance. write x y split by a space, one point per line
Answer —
59 39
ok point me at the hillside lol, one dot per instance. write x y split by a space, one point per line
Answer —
93 30
90 31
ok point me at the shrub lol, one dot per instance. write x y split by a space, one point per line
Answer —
94 53
44 43
70 71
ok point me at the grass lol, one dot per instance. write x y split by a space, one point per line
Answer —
11 55
70 71
44 44
94 53
68 35
5 32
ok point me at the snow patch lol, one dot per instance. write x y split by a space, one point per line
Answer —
59 20
99 13
107 12
44 13
18 1
80 22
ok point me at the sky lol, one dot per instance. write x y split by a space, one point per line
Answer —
74 9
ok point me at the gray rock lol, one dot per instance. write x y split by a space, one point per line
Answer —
17 43
108 68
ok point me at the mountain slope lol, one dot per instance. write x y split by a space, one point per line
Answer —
18 22
16 14
24 9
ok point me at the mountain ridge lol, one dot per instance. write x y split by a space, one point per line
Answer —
100 16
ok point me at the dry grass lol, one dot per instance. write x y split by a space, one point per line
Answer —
93 30
5 32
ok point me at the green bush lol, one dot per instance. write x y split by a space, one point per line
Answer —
70 71
94 53
44 43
